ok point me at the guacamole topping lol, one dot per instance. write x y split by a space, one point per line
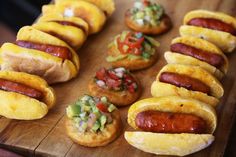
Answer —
147 12
91 114
132 45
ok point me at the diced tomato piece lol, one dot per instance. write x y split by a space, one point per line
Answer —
128 79
102 107
113 83
101 74
131 89
113 75
146 2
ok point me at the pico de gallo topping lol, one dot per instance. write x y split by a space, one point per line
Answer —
91 113
134 45
118 79
147 12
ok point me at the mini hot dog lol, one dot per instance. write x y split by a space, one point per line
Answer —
187 81
216 27
194 51
24 96
42 54
89 12
172 122
72 30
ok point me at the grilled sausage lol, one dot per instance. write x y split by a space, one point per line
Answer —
20 88
213 24
58 51
213 59
184 81
166 122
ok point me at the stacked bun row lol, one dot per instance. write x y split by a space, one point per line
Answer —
46 53
181 118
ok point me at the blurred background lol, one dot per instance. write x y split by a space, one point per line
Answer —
16 13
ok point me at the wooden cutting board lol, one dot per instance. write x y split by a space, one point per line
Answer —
47 137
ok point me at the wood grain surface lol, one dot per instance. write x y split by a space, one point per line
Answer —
47 137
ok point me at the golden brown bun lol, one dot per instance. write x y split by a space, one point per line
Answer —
51 68
89 12
91 139
122 98
225 41
171 144
135 64
107 6
168 144
164 26
18 106
159 89
72 35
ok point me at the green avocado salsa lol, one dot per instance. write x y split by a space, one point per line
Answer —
146 12
90 113
132 45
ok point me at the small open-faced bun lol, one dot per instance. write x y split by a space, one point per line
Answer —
216 27
89 12
118 85
93 122
24 96
107 6
187 81
195 51
28 54
72 30
132 50
180 144
147 17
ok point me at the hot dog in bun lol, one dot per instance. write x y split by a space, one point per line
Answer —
187 81
195 51
24 96
89 12
171 125
216 27
42 54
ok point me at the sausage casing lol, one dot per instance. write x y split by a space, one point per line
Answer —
58 51
20 88
185 82
213 24
166 122
215 60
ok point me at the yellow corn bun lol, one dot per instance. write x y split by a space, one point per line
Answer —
18 106
168 144
177 58
59 17
72 35
85 10
159 89
107 6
